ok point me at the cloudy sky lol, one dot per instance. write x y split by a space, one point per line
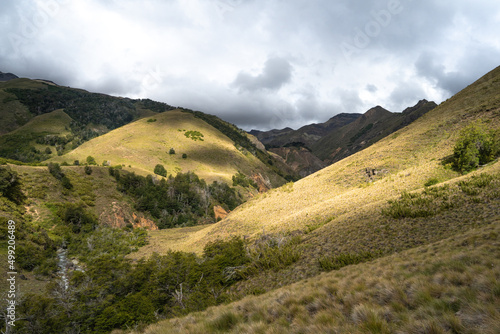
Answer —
256 63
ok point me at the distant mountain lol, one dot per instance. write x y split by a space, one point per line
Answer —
315 146
307 134
7 76
372 126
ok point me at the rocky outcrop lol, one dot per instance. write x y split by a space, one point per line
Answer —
263 184
219 213
118 217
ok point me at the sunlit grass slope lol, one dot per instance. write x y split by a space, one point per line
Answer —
450 286
403 161
143 144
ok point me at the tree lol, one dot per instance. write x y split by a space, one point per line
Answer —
160 170
48 150
475 146
184 156
171 151
88 170
55 170
91 160
10 186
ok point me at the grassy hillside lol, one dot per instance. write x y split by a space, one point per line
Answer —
403 161
450 286
434 232
143 144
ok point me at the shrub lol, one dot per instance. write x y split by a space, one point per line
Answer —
160 170
151 120
10 186
475 146
76 162
425 204
242 180
48 150
171 151
55 170
91 160
431 182
88 170
66 183
336 262
77 217
184 156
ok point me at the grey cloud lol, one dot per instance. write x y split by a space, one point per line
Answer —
276 73
371 88
404 95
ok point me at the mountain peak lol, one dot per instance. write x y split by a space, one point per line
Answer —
7 76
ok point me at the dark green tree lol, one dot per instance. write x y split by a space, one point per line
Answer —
475 146
160 170
10 185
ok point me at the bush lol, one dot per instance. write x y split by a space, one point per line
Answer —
160 170
91 160
10 186
475 146
184 156
336 262
242 180
55 170
48 150
77 217
88 170
171 151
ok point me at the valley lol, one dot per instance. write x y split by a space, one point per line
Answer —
373 223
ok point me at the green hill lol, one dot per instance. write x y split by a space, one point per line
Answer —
141 145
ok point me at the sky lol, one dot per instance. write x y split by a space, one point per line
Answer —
260 64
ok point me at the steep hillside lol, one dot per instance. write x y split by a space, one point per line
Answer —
433 230
197 147
450 286
403 161
339 137
300 159
307 134
372 126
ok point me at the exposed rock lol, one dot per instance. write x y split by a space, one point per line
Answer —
263 184
118 217
142 222
220 213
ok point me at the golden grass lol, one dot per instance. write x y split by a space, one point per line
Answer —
144 144
405 160
448 286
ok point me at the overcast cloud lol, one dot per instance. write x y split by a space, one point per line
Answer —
256 63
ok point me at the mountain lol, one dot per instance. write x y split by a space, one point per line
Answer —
199 147
41 121
7 76
316 146
390 239
307 134
372 126
423 229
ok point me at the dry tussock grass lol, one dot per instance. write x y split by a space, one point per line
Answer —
456 290
406 161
